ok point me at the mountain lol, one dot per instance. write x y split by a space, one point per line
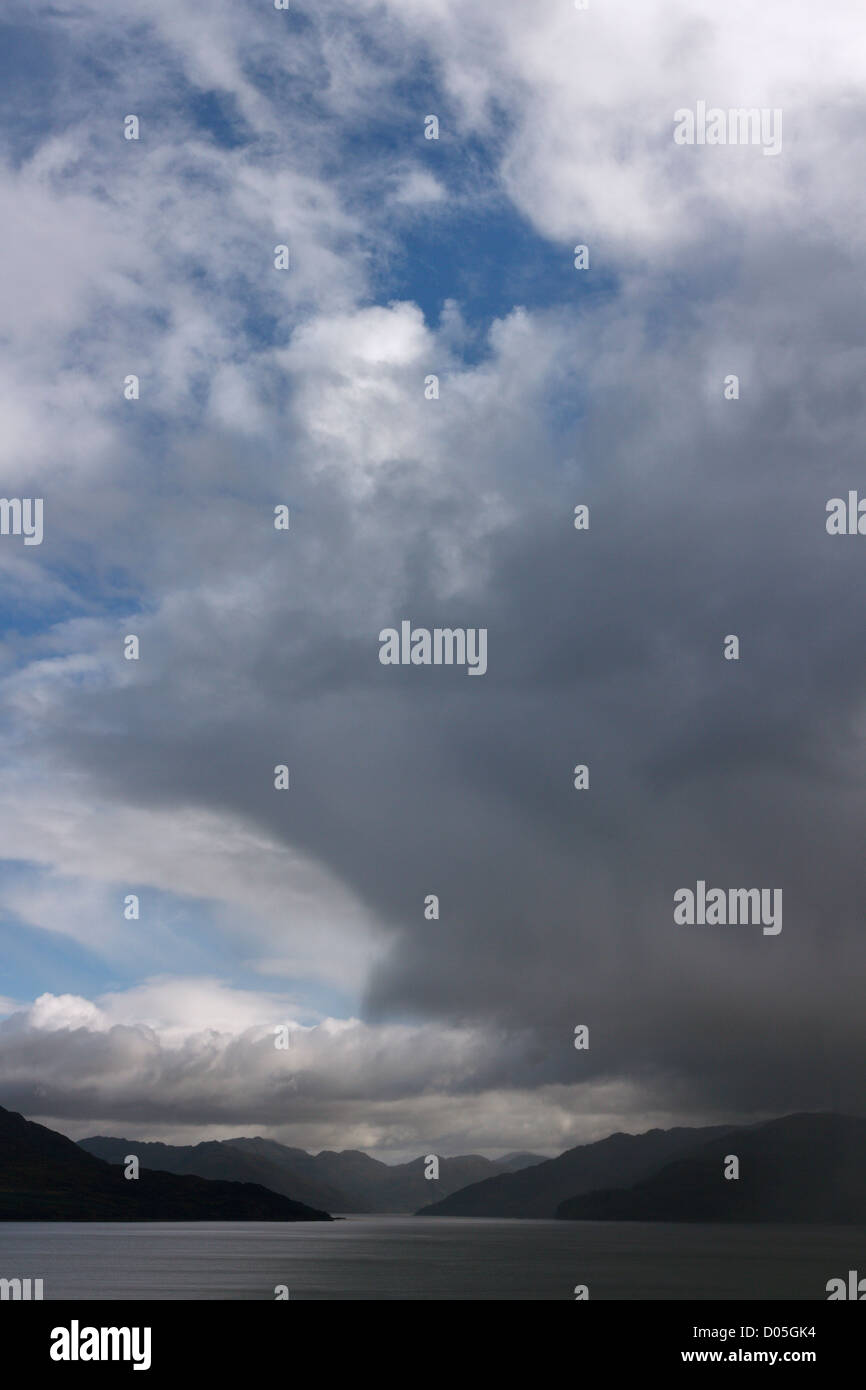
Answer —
401 1187
802 1168
512 1163
231 1161
537 1191
348 1181
46 1177
368 1184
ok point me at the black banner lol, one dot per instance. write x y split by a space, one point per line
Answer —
75 1339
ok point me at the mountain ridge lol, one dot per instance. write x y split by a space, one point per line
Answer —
347 1180
537 1191
44 1176
799 1168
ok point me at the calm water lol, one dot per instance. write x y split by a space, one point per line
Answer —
407 1257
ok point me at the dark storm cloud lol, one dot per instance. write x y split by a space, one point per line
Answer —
605 647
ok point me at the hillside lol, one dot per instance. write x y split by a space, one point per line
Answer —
802 1168
228 1161
621 1159
46 1177
346 1181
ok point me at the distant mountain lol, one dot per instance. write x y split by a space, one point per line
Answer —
512 1163
537 1191
349 1181
46 1177
231 1161
367 1184
400 1187
802 1168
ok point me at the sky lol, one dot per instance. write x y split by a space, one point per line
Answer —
308 387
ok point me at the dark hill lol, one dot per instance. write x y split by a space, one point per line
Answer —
538 1191
229 1161
802 1168
513 1162
348 1181
46 1177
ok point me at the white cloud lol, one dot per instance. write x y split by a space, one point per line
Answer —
419 188
183 1060
583 104
282 907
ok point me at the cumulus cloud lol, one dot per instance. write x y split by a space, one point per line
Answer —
583 104
174 1059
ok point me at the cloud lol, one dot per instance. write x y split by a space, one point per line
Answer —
581 106
419 187
175 1059
79 858
260 648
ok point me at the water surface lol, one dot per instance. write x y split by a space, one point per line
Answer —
408 1257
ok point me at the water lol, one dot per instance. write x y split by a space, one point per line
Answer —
407 1257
